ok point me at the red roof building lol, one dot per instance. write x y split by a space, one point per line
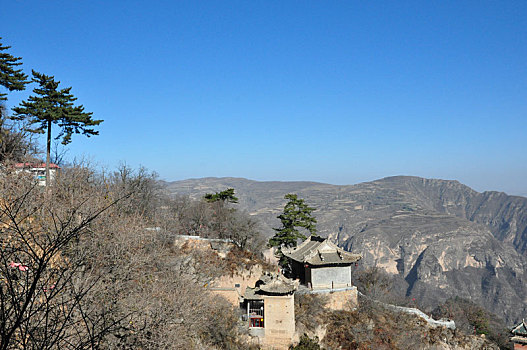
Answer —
38 170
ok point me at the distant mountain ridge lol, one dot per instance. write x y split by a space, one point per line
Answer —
439 237
505 215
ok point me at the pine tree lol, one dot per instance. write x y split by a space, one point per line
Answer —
10 77
296 215
49 106
223 196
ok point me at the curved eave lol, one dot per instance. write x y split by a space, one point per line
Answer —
264 293
519 340
330 264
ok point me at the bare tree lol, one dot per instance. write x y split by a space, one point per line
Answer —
16 145
44 281
158 288
140 186
80 269
58 153
216 219
373 282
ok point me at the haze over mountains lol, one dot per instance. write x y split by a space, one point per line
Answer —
439 238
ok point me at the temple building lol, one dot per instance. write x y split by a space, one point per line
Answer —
320 264
519 336
270 308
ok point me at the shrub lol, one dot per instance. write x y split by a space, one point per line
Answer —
306 343
309 310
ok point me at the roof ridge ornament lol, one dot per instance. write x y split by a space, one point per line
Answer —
310 255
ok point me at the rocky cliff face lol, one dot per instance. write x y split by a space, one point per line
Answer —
439 238
505 216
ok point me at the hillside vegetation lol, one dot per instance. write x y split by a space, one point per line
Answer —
86 265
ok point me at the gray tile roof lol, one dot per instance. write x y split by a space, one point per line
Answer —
520 329
320 251
271 284
250 294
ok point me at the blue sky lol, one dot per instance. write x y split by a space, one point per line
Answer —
332 91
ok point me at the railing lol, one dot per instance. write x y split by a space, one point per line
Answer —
256 312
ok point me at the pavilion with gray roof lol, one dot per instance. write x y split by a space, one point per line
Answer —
321 264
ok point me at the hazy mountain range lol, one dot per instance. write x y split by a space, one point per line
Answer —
439 238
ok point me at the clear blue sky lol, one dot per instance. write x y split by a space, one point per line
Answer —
338 92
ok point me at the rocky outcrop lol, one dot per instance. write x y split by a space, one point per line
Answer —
440 256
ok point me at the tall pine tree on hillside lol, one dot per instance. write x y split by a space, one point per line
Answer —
50 106
296 220
10 77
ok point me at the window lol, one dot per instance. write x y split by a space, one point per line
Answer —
255 309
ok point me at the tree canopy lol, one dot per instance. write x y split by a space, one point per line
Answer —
223 196
10 77
14 143
296 220
52 105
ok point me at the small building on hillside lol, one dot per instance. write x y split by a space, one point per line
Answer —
38 171
320 264
270 310
519 336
